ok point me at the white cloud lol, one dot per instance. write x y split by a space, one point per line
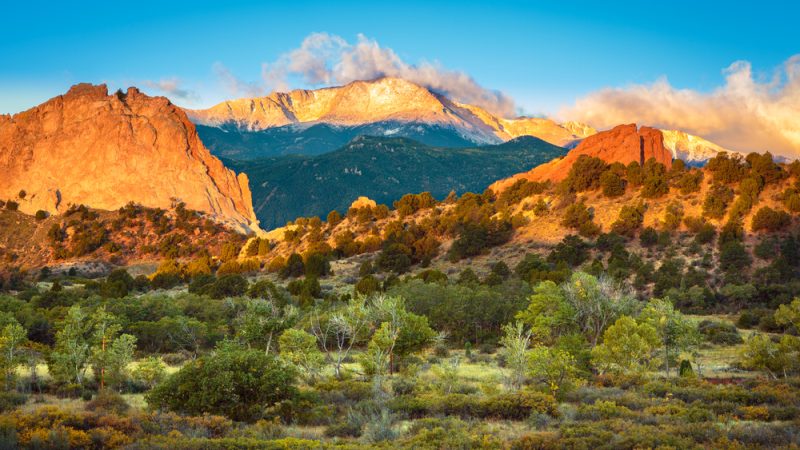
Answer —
323 59
744 114
235 86
173 88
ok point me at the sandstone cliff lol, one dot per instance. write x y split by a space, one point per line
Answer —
88 147
623 143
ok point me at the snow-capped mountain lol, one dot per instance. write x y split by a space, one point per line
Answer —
390 106
693 150
321 120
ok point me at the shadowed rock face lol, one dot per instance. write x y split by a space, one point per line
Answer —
88 147
623 143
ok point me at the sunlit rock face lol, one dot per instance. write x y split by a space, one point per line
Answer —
89 147
623 144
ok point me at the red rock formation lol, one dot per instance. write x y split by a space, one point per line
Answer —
88 147
623 143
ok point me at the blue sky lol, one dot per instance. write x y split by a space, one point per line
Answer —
542 54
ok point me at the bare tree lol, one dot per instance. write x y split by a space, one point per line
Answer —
348 325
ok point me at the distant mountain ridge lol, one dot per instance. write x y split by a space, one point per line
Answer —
383 169
317 138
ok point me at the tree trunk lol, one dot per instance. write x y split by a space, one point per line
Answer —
103 369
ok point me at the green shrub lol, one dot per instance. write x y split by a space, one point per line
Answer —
762 435
577 216
10 400
572 250
726 169
108 401
655 186
585 173
717 201
294 267
508 406
339 391
411 203
317 265
519 405
441 350
613 185
225 286
630 220
689 181
734 258
237 383
749 318
770 220
367 285
448 433
719 332
475 238
648 237
394 257
342 429
603 409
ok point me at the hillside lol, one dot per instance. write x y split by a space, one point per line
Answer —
89 147
93 241
383 169
698 215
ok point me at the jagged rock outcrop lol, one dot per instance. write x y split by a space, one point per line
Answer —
623 143
89 147
357 103
384 99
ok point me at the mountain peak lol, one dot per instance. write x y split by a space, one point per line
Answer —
389 81
87 89
383 99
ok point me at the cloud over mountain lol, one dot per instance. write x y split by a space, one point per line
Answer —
324 59
745 114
